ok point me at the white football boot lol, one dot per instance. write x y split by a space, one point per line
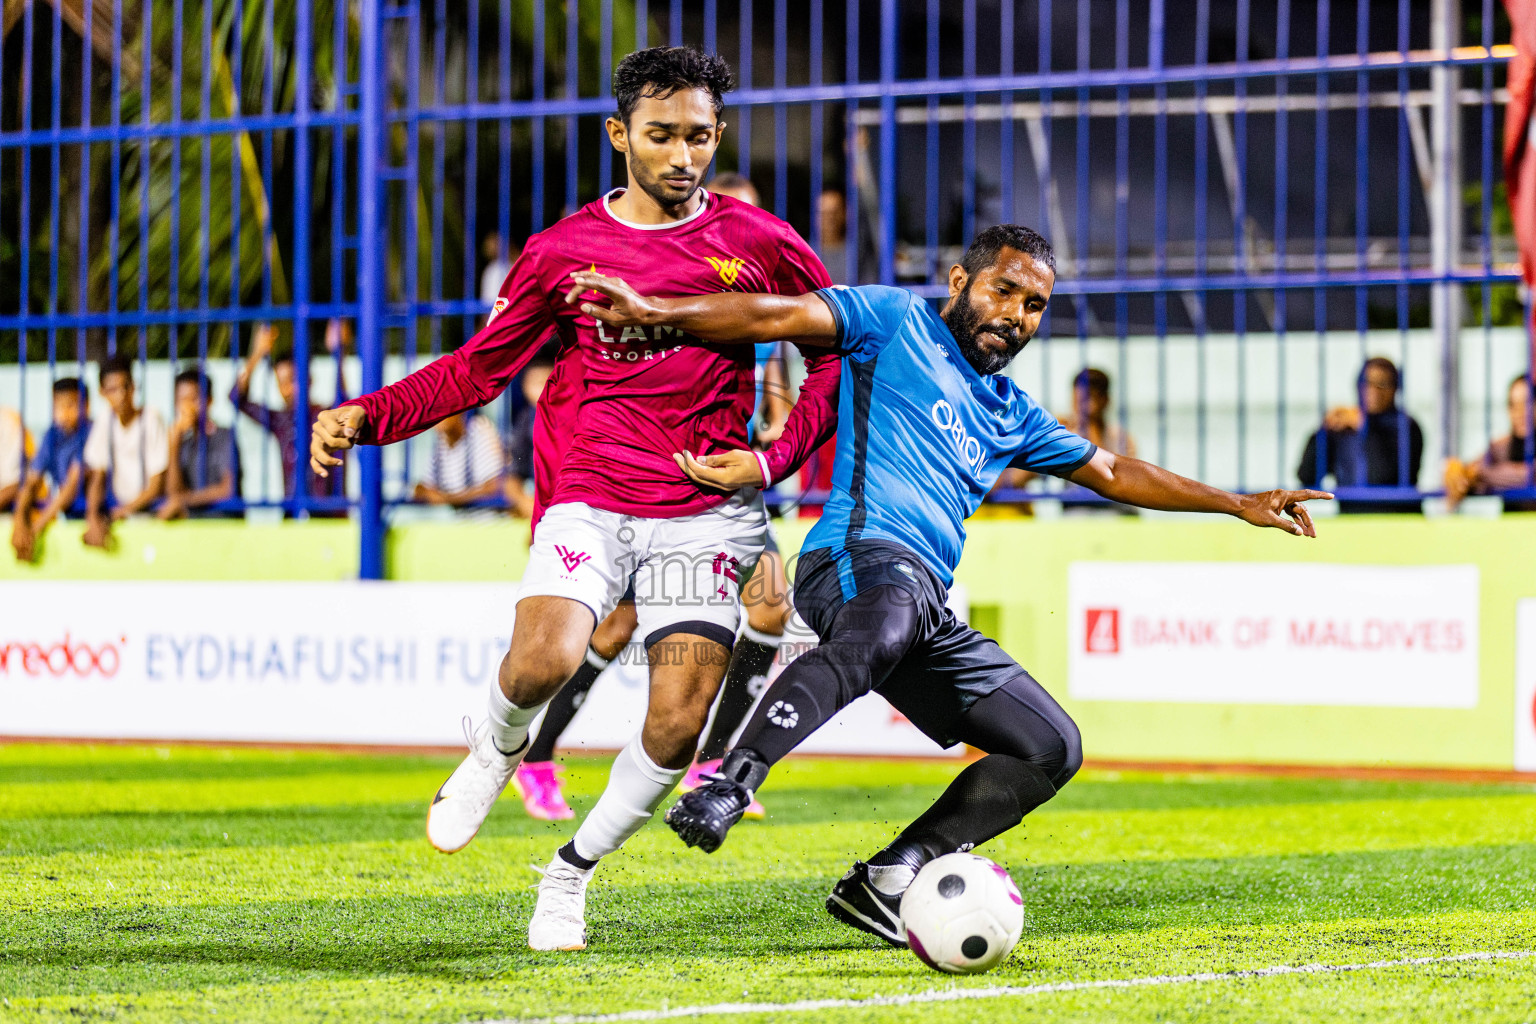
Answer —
559 920
461 803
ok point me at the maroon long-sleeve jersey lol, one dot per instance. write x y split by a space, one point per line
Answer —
646 392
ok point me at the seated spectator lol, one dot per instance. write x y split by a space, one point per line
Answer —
1090 414
203 463
15 451
466 465
1089 418
280 422
125 455
57 473
518 491
1503 466
1364 445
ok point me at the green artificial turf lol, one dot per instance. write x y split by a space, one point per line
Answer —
142 883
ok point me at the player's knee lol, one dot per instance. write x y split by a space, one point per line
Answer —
671 735
768 617
531 677
1066 756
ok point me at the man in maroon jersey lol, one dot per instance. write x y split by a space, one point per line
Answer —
620 505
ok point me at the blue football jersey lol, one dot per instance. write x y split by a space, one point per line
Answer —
922 437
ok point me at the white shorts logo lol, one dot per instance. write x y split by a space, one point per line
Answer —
783 715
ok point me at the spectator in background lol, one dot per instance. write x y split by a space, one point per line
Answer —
466 464
125 455
1090 414
498 258
832 216
203 463
1503 466
1365 444
773 402
737 186
280 422
518 487
57 472
1089 418
15 453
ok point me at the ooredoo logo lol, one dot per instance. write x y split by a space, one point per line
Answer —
63 658
1103 636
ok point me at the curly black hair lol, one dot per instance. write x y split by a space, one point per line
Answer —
663 70
987 245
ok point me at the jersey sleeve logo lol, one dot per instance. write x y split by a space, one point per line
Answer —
496 310
726 268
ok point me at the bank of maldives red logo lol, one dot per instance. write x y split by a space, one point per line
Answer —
1103 636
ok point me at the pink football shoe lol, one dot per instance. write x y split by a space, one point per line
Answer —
540 787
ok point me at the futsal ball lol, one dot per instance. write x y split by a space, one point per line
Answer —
962 913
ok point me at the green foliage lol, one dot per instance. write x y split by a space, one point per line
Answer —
1504 308
148 884
243 214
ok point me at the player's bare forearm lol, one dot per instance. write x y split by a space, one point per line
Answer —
1134 482
731 317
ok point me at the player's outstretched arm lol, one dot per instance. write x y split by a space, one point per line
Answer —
721 317
1133 482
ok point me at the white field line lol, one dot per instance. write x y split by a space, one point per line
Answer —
957 994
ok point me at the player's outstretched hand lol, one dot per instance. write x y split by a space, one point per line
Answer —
626 308
334 432
728 471
1282 510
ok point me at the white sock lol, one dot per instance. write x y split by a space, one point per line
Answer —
636 787
891 879
510 723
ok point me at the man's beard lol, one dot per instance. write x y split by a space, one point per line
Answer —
653 187
965 324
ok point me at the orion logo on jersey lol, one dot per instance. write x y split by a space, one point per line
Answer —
947 420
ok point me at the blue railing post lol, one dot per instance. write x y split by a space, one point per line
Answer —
370 281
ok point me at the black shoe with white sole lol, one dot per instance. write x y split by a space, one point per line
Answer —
703 817
855 901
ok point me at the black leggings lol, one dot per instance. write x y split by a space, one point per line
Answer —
884 637
872 636
1021 720
868 639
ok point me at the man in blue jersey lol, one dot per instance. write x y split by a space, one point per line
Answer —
926 423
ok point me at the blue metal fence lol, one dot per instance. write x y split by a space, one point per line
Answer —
1232 188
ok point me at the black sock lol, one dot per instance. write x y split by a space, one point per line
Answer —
749 661
987 799
799 702
568 854
562 709
745 767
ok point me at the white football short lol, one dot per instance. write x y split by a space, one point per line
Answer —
688 571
